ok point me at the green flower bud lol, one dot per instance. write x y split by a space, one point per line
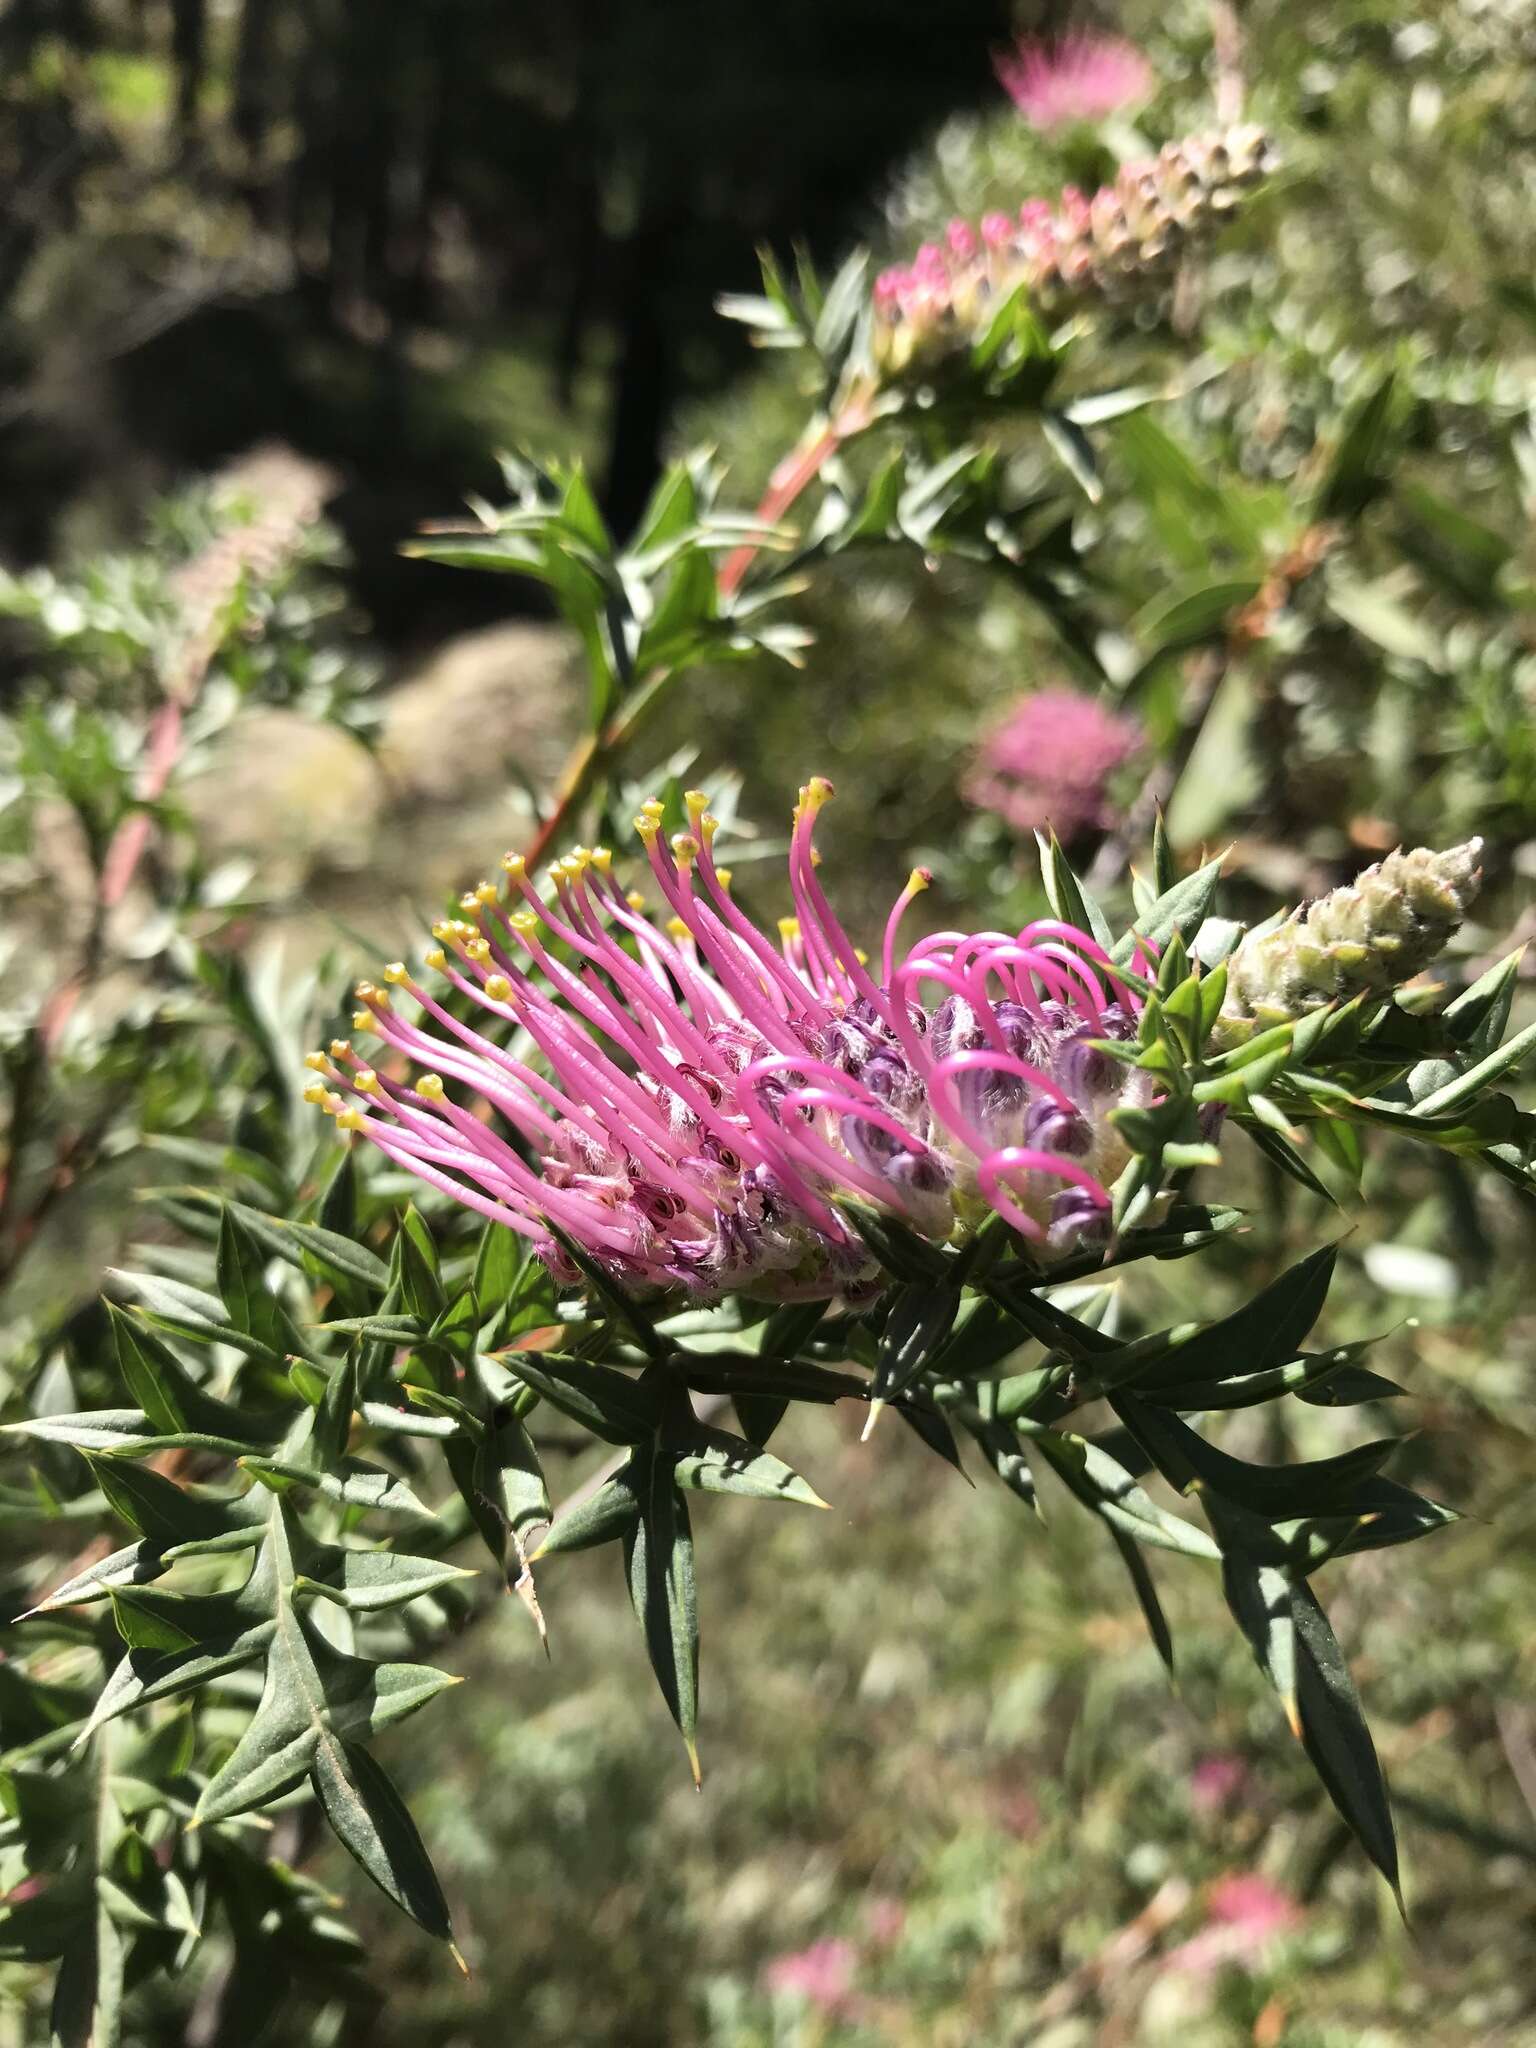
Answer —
1375 933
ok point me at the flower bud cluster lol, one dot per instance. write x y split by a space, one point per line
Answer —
1371 935
1123 243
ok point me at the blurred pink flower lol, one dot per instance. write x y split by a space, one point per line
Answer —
884 1920
1244 1913
1079 78
1049 762
821 1974
1216 1780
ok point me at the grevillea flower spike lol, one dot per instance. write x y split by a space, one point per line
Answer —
690 1103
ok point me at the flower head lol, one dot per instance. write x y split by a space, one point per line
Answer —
1369 936
691 1104
1050 761
1124 243
1082 77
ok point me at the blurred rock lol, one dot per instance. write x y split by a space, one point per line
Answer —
488 708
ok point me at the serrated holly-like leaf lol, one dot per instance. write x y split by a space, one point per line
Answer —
713 1461
371 1820
613 1406
658 1560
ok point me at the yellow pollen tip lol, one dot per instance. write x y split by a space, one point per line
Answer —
635 899
789 927
707 827
602 859
365 1080
815 856
653 807
431 1085
316 1092
486 892
697 804
647 826
395 973
363 1020
478 950
723 877
334 1104
442 931
437 960
676 929
317 1062
919 880
498 988
365 991
817 792
685 847
861 956
515 865
469 901
523 922
350 1120
340 1047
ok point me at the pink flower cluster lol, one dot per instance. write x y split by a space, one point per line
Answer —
690 1103
1049 763
1124 242
1082 77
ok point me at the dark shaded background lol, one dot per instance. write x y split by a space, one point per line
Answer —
343 221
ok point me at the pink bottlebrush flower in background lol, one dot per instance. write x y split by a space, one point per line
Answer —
1123 243
1081 77
688 1102
822 1975
1050 761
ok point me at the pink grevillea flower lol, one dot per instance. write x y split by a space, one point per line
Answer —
1080 78
822 1974
1124 243
690 1103
1050 761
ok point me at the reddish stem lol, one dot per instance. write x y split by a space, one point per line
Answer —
794 474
